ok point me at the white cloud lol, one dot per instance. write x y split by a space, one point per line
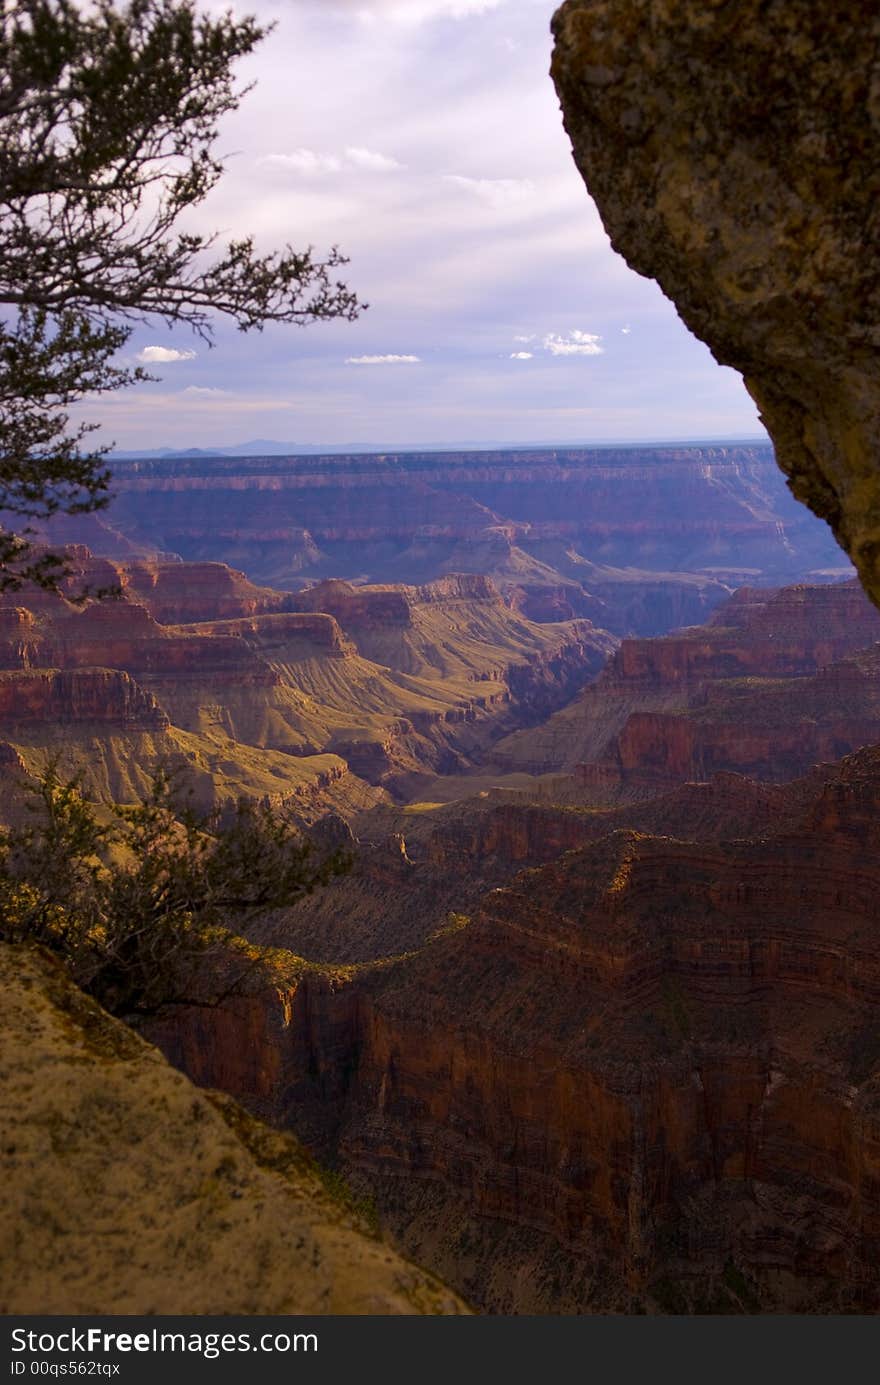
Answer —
308 163
305 161
370 160
163 355
494 192
626 331
417 11
576 343
521 355
203 392
530 337
382 360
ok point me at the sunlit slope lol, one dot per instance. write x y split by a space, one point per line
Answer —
394 682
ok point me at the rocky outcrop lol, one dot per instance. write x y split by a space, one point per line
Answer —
101 697
356 608
753 202
126 1190
761 633
180 593
774 731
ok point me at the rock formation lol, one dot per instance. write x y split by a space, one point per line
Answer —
276 694
553 528
749 191
127 1191
767 687
642 1076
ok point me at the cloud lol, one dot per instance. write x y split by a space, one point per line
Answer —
203 392
530 337
626 331
522 355
305 161
415 11
494 192
576 343
163 355
308 163
382 360
371 160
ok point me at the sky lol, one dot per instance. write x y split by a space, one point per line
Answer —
424 137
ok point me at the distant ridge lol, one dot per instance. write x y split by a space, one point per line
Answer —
267 447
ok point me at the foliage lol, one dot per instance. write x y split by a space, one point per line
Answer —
108 119
133 905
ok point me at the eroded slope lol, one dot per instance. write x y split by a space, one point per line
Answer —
126 1190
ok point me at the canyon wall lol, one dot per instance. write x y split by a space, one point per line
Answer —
641 1076
343 692
771 684
554 528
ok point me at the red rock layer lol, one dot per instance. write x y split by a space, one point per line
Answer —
645 1075
767 634
767 687
414 685
93 696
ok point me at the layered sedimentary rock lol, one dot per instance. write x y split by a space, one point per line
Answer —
767 687
128 1191
554 528
750 193
763 727
179 593
93 696
413 870
385 685
642 1076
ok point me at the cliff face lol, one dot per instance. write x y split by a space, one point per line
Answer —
553 528
654 1082
178 593
769 729
100 697
112 1161
767 687
753 204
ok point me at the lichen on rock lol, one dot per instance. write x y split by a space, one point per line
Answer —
733 153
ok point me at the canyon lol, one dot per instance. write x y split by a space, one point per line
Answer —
335 697
633 854
591 1024
774 682
554 529
652 1084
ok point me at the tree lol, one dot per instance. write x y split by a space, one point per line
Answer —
108 121
133 903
